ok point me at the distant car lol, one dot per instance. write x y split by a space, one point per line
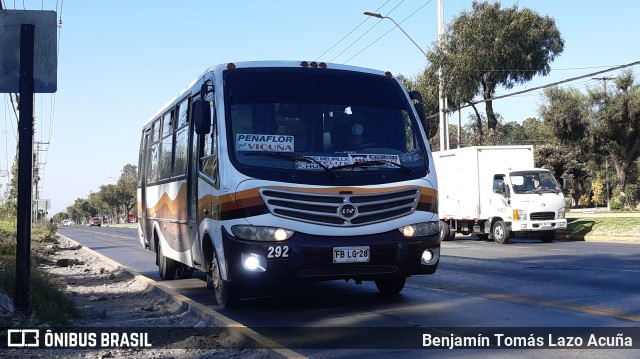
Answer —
66 222
95 221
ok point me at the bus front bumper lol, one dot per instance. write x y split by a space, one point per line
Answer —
305 257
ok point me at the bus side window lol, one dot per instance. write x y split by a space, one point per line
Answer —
209 152
182 140
152 162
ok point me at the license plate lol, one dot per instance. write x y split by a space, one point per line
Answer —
546 224
351 254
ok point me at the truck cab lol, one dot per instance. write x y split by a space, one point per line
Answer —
528 202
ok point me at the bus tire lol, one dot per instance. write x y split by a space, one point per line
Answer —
184 271
227 294
391 285
500 232
167 267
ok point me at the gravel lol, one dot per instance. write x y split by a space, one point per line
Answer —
110 297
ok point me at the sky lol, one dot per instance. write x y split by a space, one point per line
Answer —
119 61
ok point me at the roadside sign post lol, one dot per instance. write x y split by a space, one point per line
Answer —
25 165
28 65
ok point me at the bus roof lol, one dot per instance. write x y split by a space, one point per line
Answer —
217 69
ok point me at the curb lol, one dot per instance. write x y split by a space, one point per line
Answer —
255 340
588 238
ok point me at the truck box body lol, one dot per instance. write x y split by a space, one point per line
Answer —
472 201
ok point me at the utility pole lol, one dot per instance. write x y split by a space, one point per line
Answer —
444 126
604 83
38 170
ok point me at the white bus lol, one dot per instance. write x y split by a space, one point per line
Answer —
262 173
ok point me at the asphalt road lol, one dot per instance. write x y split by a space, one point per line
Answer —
521 286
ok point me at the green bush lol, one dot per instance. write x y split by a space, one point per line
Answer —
48 304
627 199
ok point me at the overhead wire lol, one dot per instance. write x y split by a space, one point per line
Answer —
538 88
349 33
52 102
385 34
366 32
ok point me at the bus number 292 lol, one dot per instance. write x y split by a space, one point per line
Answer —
278 252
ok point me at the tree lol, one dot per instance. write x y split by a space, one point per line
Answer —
127 186
489 47
597 188
9 205
616 126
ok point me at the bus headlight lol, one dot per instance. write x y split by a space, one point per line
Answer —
420 229
253 262
259 233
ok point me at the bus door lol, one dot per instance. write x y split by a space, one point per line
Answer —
143 183
204 181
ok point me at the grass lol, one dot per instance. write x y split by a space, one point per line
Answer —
603 226
47 303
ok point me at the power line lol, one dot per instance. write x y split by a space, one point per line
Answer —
366 32
619 67
350 32
385 34
555 83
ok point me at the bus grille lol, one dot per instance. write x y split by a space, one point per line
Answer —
542 216
341 209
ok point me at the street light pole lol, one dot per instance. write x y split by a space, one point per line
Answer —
444 130
379 16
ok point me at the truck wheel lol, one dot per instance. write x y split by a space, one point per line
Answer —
227 294
500 232
445 232
391 285
548 237
184 271
166 266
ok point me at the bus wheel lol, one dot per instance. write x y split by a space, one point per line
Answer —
500 232
227 294
184 271
391 285
166 266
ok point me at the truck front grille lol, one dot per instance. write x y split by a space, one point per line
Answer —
543 216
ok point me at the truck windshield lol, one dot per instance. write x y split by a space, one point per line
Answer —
321 120
534 182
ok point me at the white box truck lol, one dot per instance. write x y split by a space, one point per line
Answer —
496 192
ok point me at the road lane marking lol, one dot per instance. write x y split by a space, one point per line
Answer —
610 313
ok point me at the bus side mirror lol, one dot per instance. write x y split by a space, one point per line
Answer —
417 97
201 117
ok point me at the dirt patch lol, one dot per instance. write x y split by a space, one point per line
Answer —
110 297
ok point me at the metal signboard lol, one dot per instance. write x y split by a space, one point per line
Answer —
45 66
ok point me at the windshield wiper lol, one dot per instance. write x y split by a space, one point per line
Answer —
293 157
373 163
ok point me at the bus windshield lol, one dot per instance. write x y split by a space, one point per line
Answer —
285 121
